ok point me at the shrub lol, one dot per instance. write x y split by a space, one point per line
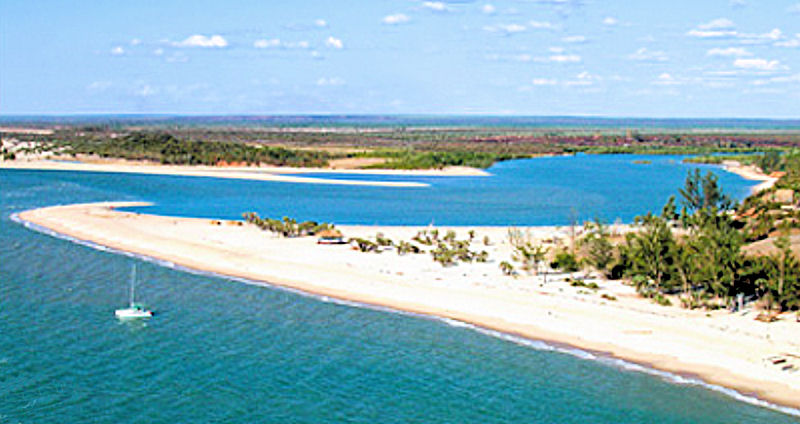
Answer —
507 268
565 261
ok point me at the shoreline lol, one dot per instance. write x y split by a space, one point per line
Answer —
669 339
263 173
752 173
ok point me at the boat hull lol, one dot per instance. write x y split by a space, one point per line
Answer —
132 314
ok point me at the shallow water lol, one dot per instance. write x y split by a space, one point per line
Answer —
224 351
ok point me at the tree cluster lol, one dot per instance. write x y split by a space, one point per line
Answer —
697 255
286 227
167 149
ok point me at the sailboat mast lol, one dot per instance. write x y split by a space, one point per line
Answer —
133 283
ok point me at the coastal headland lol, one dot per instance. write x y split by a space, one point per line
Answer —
718 347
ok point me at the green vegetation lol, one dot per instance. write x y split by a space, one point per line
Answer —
211 141
703 193
507 268
404 247
598 250
7 155
565 261
770 160
746 159
530 255
168 149
699 258
408 159
365 245
580 283
449 250
286 227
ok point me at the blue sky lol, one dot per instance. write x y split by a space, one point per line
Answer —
708 58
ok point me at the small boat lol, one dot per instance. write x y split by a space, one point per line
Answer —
134 310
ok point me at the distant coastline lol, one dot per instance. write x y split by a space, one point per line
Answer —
338 121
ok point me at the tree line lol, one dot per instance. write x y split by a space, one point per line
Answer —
165 148
696 254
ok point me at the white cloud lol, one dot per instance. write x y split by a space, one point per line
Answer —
199 40
506 29
711 34
717 28
321 23
272 43
136 42
721 23
265 44
542 25
98 86
559 57
666 79
757 64
795 8
610 21
334 42
117 51
790 79
582 79
774 35
790 43
556 49
158 52
564 58
645 55
574 39
730 51
512 28
436 6
723 28
544 81
145 91
488 9
397 18
330 82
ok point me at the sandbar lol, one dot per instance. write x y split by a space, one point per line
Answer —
730 350
263 173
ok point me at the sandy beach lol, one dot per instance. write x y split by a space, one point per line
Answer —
751 172
263 173
731 350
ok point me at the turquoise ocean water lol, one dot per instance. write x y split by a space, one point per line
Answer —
225 351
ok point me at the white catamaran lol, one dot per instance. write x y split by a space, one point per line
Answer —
135 310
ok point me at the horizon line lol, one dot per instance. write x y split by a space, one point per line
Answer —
385 115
